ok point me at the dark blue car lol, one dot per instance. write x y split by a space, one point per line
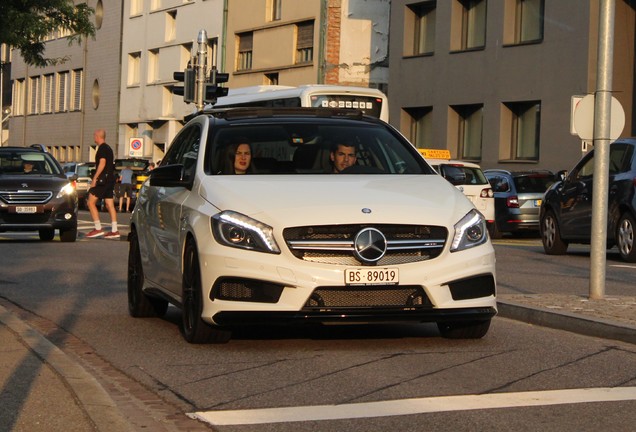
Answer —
566 212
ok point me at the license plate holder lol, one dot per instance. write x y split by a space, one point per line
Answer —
26 209
372 276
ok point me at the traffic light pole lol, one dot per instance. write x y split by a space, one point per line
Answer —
201 68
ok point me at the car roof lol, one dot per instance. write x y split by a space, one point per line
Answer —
452 162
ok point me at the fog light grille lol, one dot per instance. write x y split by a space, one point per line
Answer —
246 290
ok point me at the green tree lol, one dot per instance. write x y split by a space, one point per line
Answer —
25 24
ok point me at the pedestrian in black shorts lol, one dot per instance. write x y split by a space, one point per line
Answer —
102 187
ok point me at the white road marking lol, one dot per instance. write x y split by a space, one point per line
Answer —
623 266
415 406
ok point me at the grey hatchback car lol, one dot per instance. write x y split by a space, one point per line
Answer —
518 198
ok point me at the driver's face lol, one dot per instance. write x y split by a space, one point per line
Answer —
343 157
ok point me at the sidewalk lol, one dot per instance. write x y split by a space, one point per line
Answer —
38 381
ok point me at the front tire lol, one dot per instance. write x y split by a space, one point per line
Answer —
46 234
68 235
139 304
625 237
464 329
194 329
551 235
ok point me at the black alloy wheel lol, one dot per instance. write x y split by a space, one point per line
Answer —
139 304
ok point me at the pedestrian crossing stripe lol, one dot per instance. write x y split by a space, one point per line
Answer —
415 406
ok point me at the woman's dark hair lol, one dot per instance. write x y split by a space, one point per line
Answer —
230 155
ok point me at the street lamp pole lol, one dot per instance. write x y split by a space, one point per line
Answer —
602 126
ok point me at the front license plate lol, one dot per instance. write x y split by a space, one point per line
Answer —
26 209
372 276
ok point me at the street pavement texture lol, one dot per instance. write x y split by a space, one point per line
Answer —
43 389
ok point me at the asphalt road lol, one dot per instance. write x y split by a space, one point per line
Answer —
519 377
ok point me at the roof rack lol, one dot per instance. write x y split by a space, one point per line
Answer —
262 112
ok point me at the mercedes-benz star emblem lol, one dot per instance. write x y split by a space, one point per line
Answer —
369 245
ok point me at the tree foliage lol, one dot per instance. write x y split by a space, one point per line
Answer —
25 25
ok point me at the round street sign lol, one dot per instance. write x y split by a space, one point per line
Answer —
584 118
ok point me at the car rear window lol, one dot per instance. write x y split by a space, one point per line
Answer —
472 175
533 183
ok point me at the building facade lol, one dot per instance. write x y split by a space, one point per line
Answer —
61 105
493 80
291 42
158 39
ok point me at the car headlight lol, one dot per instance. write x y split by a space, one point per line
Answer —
470 231
67 190
237 230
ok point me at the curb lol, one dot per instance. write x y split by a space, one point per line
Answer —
95 401
574 323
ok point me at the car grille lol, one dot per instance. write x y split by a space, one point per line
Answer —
334 244
388 296
25 197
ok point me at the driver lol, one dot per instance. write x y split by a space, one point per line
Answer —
343 155
27 166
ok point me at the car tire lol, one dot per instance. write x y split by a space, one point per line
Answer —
553 244
494 231
625 237
68 235
194 329
46 234
463 329
139 304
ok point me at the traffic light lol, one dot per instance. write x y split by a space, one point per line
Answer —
212 89
188 77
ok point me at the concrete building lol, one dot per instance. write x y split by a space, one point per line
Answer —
61 105
292 42
158 38
492 81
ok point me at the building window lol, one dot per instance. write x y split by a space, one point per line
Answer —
274 9
171 25
305 42
245 46
469 24
213 48
186 55
47 93
136 7
271 79
62 92
467 124
76 90
523 120
153 66
155 4
134 64
523 21
19 91
419 123
34 96
419 28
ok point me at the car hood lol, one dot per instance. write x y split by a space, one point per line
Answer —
339 199
32 182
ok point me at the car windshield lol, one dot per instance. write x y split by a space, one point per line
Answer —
27 163
84 171
533 183
306 148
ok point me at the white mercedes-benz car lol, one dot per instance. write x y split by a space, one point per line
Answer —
261 216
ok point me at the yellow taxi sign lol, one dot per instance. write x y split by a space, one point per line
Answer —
435 153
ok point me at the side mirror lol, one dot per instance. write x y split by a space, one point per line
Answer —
561 175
